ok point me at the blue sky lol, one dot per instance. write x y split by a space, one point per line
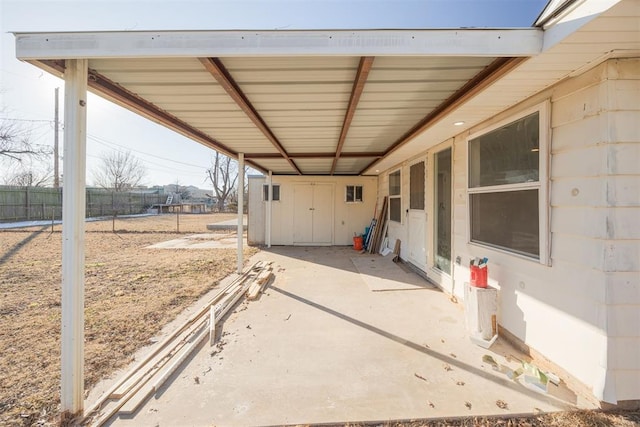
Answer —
26 93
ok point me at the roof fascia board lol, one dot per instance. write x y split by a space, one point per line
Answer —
572 19
146 44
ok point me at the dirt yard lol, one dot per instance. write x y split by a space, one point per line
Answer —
130 293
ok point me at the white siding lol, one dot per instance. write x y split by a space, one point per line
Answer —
582 311
349 218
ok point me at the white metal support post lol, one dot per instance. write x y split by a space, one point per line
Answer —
268 219
240 210
73 213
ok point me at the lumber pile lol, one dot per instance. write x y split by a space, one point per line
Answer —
150 373
378 229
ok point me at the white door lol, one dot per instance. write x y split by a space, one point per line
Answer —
302 213
322 214
417 217
313 214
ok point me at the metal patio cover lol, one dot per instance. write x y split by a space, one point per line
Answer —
326 102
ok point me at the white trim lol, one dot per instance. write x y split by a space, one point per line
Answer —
570 21
240 229
355 199
269 206
447 145
542 185
394 196
148 44
73 215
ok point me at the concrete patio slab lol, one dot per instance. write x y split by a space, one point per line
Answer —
320 347
201 241
382 274
229 225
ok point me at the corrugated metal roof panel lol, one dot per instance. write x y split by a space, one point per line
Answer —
314 166
348 166
277 166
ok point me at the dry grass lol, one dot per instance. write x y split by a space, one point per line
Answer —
130 293
582 418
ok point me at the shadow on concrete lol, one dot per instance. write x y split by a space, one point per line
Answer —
422 349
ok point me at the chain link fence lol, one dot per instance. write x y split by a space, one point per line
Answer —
39 203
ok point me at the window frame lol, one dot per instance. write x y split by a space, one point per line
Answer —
265 192
542 185
395 196
355 193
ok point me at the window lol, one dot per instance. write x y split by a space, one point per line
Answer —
353 193
507 202
275 189
395 202
416 186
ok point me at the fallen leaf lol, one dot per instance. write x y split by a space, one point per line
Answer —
460 383
447 367
453 355
196 380
502 404
467 404
431 404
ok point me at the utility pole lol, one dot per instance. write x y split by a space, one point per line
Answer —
56 172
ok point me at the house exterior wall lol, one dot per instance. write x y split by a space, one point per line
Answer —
581 308
348 218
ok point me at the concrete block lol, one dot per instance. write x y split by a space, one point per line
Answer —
623 158
623 126
586 102
580 221
623 223
627 385
624 353
623 190
623 321
578 192
589 161
583 133
623 288
582 251
624 94
622 255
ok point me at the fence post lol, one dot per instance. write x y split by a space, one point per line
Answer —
28 202
88 215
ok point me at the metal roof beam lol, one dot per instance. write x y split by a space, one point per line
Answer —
348 155
220 73
133 102
511 42
366 62
481 81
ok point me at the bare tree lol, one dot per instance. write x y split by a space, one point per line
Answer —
15 143
29 174
120 171
223 175
182 191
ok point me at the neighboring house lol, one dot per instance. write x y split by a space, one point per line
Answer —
520 145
